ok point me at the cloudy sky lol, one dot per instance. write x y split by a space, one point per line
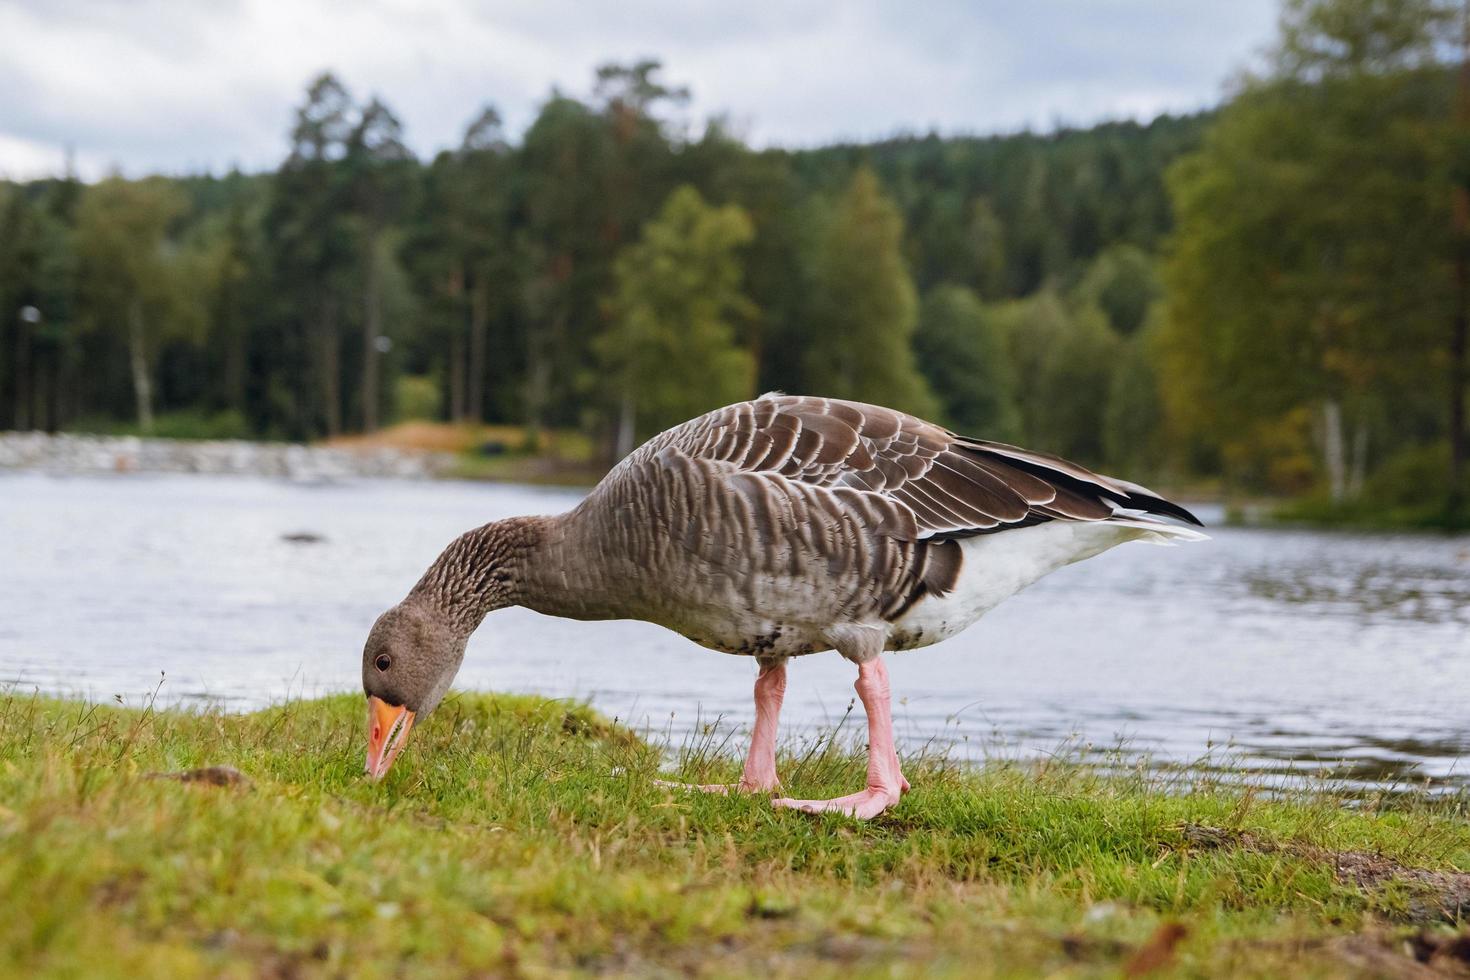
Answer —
189 86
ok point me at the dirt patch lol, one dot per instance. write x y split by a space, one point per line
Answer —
1378 957
1447 953
207 776
1432 896
1381 953
269 961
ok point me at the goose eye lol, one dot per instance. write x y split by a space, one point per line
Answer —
383 662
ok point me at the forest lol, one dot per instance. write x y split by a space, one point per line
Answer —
1267 299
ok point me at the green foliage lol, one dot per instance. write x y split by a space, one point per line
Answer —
38 270
1057 198
963 355
864 309
1309 271
1307 283
523 836
417 397
1406 491
671 351
463 269
1122 282
127 259
136 284
182 424
492 269
227 424
1133 423
1337 38
1063 360
231 256
987 248
1410 478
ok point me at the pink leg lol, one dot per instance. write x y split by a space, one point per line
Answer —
885 782
759 775
760 762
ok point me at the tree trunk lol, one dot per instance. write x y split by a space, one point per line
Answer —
538 381
456 377
56 405
1460 321
48 401
627 427
479 323
537 386
138 362
1333 454
40 390
235 367
372 329
1358 469
456 371
47 406
1459 327
329 364
22 417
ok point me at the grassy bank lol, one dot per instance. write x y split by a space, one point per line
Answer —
518 836
1372 515
502 453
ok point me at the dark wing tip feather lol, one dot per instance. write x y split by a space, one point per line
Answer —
1070 478
1152 503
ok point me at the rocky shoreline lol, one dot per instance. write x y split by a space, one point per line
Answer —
79 455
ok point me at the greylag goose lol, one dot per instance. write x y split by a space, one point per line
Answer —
772 528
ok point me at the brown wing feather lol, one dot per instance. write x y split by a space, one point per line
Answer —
949 485
855 493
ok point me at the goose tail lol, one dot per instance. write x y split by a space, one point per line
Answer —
1152 530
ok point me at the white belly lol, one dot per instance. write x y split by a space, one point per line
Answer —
997 566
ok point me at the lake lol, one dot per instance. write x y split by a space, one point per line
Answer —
1275 651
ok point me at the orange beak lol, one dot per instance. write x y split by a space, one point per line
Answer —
387 732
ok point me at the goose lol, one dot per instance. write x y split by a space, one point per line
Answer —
773 529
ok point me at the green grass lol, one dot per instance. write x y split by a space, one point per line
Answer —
520 836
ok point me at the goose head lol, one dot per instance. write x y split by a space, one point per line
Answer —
415 649
408 663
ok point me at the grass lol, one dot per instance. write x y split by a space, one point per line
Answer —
518 836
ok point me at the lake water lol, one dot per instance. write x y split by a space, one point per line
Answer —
1277 651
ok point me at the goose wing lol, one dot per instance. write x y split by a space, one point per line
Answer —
907 478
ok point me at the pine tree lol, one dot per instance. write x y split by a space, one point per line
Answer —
671 351
864 306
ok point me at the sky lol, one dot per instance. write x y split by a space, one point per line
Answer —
185 87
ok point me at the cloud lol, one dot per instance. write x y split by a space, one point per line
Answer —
177 86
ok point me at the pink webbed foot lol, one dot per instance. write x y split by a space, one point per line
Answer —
885 779
864 805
